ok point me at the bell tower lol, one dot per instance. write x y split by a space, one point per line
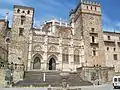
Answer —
87 24
21 25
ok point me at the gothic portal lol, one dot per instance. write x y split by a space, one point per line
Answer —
52 64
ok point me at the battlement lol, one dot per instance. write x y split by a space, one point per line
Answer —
90 2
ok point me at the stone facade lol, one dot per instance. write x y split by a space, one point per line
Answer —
60 46
3 43
112 49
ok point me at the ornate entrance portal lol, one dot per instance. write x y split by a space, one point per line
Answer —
52 64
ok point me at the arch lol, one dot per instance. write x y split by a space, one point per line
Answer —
52 62
37 61
37 48
52 49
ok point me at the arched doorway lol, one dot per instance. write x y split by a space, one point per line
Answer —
52 64
37 63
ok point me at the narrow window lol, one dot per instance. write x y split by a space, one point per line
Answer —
28 12
21 31
94 53
22 20
87 7
114 49
18 11
92 29
76 56
23 11
109 38
95 8
107 48
93 39
115 56
91 7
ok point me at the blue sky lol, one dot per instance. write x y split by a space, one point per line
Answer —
47 9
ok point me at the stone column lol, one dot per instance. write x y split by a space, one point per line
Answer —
29 67
60 55
45 54
71 55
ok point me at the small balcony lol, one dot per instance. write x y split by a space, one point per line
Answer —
94 44
109 42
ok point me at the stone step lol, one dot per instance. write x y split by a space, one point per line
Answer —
35 78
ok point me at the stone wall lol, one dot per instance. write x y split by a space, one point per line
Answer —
2 78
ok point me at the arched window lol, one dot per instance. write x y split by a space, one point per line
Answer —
76 57
23 11
87 7
18 11
95 8
28 12
65 56
37 63
91 7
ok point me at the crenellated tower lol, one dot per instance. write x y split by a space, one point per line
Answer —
86 18
21 26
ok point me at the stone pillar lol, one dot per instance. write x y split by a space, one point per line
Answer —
53 26
60 55
30 52
71 56
45 54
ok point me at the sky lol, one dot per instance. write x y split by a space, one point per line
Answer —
48 9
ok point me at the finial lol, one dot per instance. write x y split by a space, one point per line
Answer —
87 2
6 17
82 1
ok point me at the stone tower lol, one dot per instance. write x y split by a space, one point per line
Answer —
87 25
22 23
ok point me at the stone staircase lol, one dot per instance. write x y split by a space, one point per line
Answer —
53 78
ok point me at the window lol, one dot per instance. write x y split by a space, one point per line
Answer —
23 11
109 38
91 7
76 56
115 79
114 49
92 29
87 7
18 11
22 20
95 8
115 56
21 31
65 56
94 53
107 48
119 79
28 12
93 39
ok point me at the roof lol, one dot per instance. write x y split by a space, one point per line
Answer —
23 7
111 32
2 20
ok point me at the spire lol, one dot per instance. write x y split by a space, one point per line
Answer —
6 17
